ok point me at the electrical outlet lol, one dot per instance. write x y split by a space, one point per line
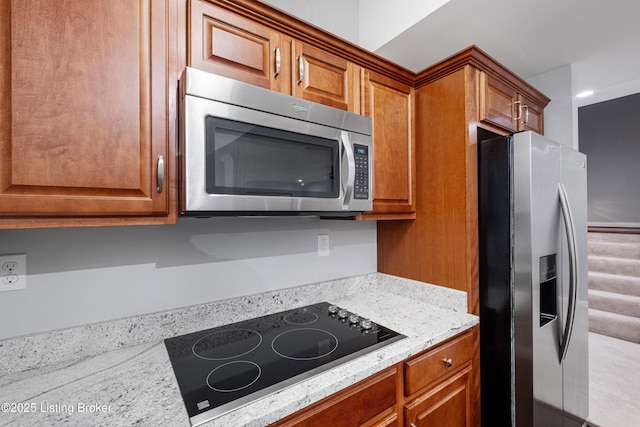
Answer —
323 245
13 272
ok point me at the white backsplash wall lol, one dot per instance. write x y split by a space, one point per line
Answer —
77 276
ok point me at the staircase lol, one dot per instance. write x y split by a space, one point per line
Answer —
614 285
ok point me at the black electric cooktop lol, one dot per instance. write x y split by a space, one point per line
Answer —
222 368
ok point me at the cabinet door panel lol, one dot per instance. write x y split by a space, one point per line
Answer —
322 77
532 116
497 103
390 105
447 406
390 421
236 47
84 96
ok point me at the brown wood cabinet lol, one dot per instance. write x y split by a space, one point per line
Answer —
504 106
441 245
389 103
251 42
371 402
442 385
234 46
87 115
438 387
239 47
444 406
325 78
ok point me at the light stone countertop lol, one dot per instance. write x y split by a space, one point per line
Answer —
119 374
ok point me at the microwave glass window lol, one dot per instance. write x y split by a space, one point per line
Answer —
247 159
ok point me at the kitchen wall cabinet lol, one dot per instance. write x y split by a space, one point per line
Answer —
251 42
231 45
239 47
440 386
441 245
87 135
325 78
390 106
504 106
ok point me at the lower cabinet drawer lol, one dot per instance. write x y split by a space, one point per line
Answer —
351 407
438 364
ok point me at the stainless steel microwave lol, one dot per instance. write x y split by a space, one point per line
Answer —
246 150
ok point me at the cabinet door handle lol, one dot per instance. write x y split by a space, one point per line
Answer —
412 425
447 362
300 69
517 105
160 173
526 113
278 62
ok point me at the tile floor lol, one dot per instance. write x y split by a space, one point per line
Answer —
614 382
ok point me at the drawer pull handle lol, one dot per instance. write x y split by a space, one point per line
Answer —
413 425
447 362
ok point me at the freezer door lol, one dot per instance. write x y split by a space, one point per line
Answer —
576 360
538 281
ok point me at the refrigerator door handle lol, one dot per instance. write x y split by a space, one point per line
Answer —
573 269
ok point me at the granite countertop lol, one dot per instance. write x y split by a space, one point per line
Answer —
119 374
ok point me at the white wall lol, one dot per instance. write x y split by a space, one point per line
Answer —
339 17
561 114
382 20
77 276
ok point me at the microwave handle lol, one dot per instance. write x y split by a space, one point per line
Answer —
351 175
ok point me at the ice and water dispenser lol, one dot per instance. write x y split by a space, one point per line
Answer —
548 295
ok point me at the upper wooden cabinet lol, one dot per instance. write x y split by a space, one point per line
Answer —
269 49
86 125
325 78
441 245
235 46
504 106
389 103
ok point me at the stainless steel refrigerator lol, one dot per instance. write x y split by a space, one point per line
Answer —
533 282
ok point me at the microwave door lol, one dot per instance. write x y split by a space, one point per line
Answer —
249 151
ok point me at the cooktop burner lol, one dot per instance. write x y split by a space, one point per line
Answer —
222 368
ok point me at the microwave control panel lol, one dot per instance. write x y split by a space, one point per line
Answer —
361 185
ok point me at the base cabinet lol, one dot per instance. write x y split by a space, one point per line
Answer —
442 384
439 387
445 406
369 403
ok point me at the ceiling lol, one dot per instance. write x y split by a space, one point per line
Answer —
599 39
